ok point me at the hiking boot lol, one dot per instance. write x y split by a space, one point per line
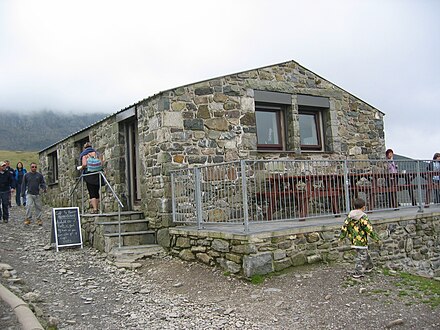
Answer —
39 222
369 268
357 274
27 221
5 220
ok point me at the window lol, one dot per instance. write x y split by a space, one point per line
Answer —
52 167
312 115
269 121
79 146
310 129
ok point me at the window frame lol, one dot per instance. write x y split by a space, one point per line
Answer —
279 111
53 170
317 115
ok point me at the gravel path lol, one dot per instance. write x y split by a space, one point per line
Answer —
80 289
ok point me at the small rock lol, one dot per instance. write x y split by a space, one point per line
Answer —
31 296
15 280
362 290
394 323
228 311
5 267
53 322
178 285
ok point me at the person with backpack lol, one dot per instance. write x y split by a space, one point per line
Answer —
91 164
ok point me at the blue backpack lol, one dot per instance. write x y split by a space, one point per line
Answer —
94 164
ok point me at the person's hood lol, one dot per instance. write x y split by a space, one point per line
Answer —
356 214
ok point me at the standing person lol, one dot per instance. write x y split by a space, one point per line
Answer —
434 167
7 184
20 171
33 181
391 178
12 172
357 228
91 162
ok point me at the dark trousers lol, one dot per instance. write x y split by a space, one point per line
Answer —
4 199
18 195
436 193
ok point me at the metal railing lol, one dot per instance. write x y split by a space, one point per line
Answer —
272 190
103 182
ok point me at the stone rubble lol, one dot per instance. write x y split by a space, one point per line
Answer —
81 289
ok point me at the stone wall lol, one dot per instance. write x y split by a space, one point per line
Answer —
105 138
212 122
408 243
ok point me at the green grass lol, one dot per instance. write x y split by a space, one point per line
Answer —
416 288
26 157
257 279
424 289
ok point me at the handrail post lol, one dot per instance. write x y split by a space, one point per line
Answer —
82 194
244 194
198 197
419 187
173 198
100 192
347 187
119 226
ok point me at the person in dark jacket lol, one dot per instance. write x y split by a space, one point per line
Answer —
434 168
33 182
20 171
12 172
7 184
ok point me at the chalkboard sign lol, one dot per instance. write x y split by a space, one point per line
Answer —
67 226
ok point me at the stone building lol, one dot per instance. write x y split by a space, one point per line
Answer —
277 111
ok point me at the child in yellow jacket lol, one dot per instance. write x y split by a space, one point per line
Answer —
357 227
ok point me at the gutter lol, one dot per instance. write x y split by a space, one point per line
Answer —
24 314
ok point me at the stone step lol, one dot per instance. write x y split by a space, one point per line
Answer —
113 216
129 239
131 254
110 227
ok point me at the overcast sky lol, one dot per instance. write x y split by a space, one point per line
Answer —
102 56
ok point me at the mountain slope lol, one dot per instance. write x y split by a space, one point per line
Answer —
37 130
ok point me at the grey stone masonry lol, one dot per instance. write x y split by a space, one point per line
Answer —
407 243
210 122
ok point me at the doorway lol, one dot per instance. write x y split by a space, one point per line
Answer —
132 163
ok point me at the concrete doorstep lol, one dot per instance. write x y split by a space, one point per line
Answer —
24 314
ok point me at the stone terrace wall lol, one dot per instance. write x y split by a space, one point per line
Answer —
411 244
